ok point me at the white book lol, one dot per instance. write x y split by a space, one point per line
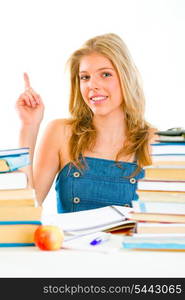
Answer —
92 220
168 138
168 158
168 148
170 166
13 180
11 152
161 185
159 207
153 236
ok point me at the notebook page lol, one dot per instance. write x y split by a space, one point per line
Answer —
91 219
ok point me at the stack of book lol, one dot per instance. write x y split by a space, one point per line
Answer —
169 149
19 214
171 135
160 209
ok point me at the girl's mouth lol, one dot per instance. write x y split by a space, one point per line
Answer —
98 99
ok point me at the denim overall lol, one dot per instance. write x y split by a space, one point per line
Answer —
100 184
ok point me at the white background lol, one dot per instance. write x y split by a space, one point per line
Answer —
37 36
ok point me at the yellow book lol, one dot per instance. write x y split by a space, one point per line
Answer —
156 217
13 234
18 203
24 213
149 227
161 196
166 160
3 166
165 173
18 197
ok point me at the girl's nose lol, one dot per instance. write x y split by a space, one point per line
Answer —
93 83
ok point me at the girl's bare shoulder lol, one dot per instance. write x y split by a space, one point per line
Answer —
60 127
59 133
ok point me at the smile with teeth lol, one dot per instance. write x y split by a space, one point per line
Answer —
100 98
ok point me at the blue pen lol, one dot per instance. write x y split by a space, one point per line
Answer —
99 240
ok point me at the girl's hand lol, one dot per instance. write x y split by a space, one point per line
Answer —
29 105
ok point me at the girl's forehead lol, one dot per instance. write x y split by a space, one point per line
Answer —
95 61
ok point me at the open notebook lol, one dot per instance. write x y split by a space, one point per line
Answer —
108 218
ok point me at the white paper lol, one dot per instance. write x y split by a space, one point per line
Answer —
112 244
92 220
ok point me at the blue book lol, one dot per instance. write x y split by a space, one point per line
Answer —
149 245
155 241
14 159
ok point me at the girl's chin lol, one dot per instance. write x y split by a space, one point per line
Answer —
102 112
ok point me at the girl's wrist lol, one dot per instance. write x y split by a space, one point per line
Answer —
29 125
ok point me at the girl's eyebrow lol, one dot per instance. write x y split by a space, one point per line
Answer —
100 69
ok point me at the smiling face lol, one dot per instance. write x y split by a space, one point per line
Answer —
99 84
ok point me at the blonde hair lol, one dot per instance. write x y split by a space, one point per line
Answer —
83 131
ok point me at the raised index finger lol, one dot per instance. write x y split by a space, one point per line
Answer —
26 81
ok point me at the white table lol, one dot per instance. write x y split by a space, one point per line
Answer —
32 262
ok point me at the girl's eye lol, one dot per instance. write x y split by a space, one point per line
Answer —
106 74
84 77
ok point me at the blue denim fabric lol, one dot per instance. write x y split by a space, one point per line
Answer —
102 183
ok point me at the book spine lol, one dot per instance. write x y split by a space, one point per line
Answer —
16 244
167 144
13 180
20 223
12 152
165 246
139 206
159 207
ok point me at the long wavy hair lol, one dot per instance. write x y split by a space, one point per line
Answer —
84 133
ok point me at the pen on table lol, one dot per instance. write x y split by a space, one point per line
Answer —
99 240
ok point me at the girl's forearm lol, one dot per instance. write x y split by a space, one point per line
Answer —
27 138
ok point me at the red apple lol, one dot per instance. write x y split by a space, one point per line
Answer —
48 237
